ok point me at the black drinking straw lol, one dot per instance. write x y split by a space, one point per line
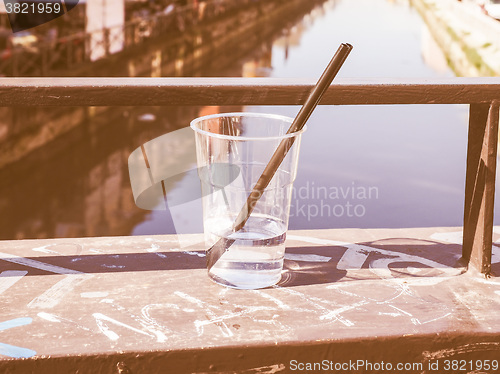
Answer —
223 244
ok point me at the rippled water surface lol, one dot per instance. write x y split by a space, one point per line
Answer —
373 166
360 166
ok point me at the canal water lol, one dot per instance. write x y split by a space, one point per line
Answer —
360 166
369 166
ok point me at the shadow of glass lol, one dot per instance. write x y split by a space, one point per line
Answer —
389 258
304 265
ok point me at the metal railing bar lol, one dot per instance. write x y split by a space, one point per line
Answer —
483 95
241 91
480 185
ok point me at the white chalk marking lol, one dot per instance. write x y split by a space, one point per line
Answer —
151 323
335 313
160 336
154 247
9 277
314 301
353 258
53 318
401 311
213 318
95 294
44 249
268 369
307 258
49 317
56 293
278 302
113 266
382 264
36 264
435 319
389 314
106 331
402 291
100 318
312 240
199 254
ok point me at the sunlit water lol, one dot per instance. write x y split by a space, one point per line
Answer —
360 166
371 166
384 166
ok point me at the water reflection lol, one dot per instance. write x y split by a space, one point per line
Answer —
63 171
80 186
412 156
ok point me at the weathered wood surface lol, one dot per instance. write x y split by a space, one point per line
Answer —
242 91
143 304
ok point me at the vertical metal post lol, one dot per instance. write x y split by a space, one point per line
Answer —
480 185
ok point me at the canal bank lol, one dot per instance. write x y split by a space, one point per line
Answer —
413 155
200 51
158 44
77 156
469 38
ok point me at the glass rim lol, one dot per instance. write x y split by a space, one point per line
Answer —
194 122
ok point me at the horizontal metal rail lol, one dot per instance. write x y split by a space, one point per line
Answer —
241 91
483 95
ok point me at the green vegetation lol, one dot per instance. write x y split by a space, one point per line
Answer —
471 53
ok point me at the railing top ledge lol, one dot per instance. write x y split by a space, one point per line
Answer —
242 91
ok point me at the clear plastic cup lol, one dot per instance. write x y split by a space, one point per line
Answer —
233 150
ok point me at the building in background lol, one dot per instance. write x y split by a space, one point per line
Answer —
105 21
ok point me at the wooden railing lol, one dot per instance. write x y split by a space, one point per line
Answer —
482 94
